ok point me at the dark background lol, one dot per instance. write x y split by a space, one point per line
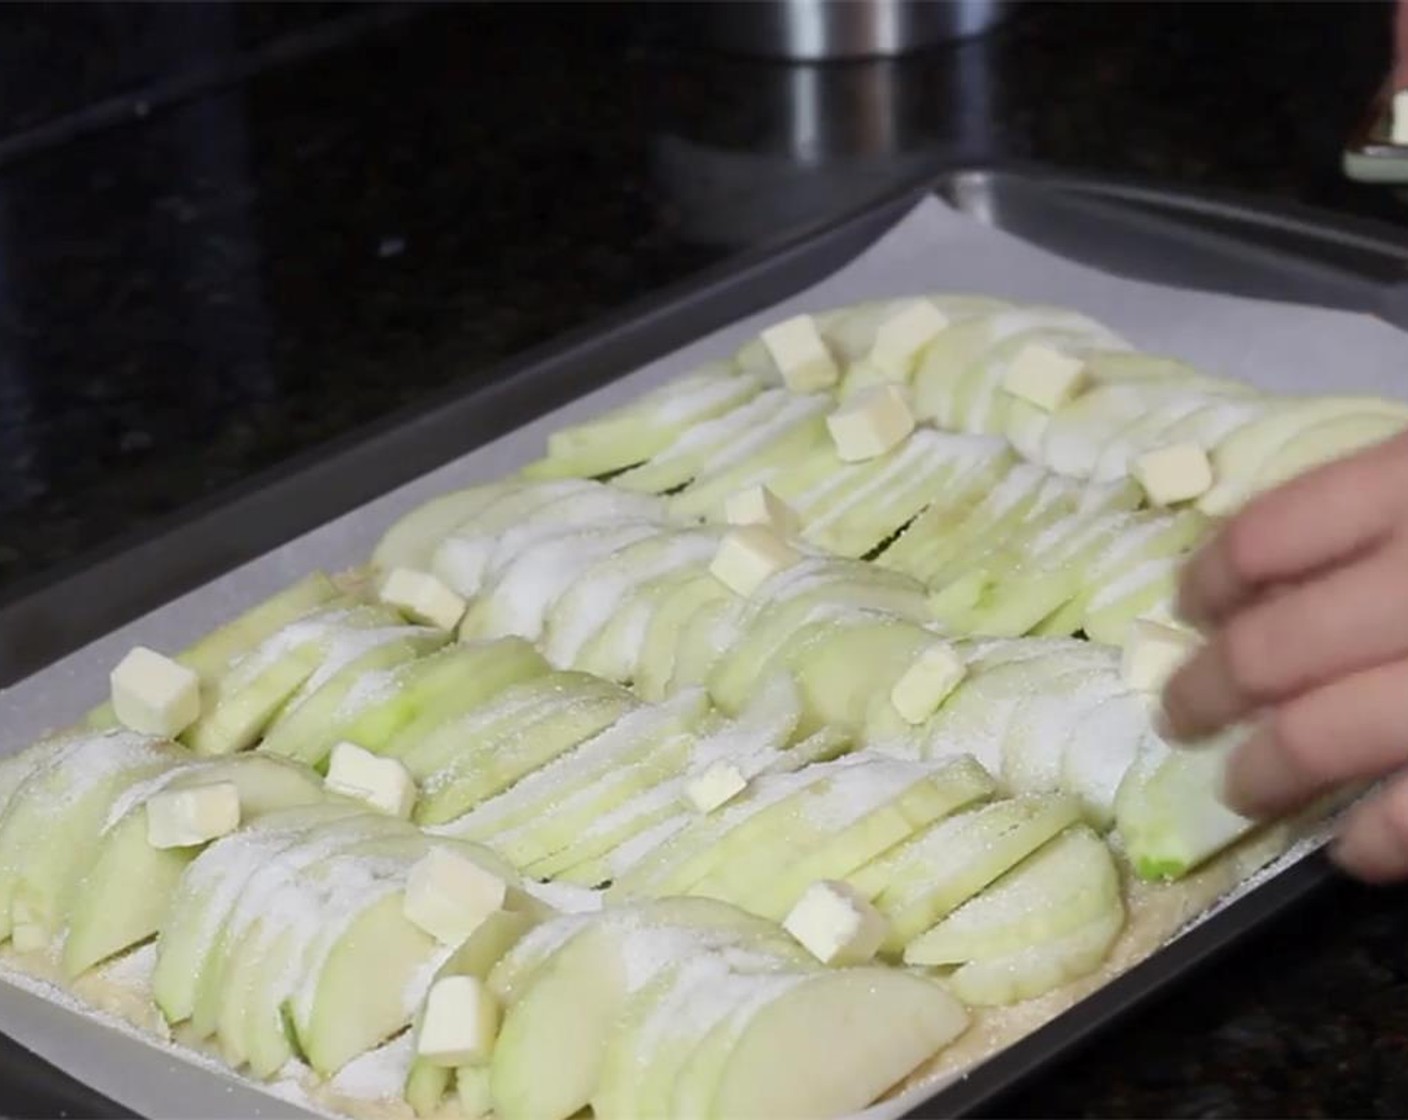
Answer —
229 234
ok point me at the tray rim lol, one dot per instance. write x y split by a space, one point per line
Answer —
36 594
1060 1037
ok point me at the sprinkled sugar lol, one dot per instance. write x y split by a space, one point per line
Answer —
570 773
721 429
528 587
379 1074
701 392
1137 579
797 410
597 595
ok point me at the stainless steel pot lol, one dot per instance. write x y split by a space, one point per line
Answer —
827 30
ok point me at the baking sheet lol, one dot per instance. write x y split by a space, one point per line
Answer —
1278 347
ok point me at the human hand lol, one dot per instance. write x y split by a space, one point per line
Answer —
1303 599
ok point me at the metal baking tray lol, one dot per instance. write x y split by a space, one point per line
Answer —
1200 241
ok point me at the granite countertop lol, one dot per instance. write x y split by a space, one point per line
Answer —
267 227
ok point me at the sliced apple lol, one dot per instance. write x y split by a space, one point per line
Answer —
928 877
564 1016
1169 812
826 1044
1039 968
326 705
1238 459
412 540
122 897
52 823
686 456
859 834
1066 884
602 591
572 707
224 876
646 425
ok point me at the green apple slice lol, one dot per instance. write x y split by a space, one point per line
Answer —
573 708
1334 439
1100 751
531 843
214 655
646 425
677 606
533 805
823 1044
412 540
686 456
1168 810
662 1023
600 595
841 665
937 536
262 995
427 1083
122 897
791 435
1066 884
691 854
320 713
1138 591
564 1017
460 556
1039 968
426 1086
851 816
928 877
862 831
219 879
786 602
1238 459
486 669
1043 722
51 825
518 596
865 504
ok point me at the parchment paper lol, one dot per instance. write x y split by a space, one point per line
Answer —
1279 347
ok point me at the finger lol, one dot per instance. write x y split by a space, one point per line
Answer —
1315 520
1373 843
1349 730
1348 619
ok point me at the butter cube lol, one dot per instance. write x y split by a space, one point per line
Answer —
459 1023
927 682
757 505
153 694
183 818
871 423
903 333
448 896
382 783
423 598
748 556
1398 127
1176 473
717 786
836 924
801 355
1153 652
1045 377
